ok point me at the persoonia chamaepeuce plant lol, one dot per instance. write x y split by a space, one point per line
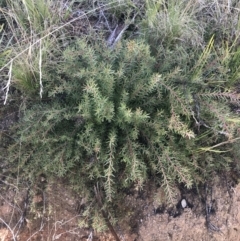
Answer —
109 116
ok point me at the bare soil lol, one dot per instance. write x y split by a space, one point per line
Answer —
50 211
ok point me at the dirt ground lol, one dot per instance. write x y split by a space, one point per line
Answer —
50 211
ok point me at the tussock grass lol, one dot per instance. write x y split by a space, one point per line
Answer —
174 21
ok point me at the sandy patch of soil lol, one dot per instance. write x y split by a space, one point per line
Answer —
221 202
50 212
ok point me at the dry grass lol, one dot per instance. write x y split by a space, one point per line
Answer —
33 27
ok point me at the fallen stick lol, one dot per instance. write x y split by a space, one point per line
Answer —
105 216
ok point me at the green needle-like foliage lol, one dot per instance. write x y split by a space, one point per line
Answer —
109 116
160 103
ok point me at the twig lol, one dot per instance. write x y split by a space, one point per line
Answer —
90 236
24 213
115 36
105 216
71 231
9 81
13 235
219 144
9 203
7 183
61 223
106 21
40 70
208 206
69 220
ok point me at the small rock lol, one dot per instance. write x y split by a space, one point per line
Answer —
184 203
